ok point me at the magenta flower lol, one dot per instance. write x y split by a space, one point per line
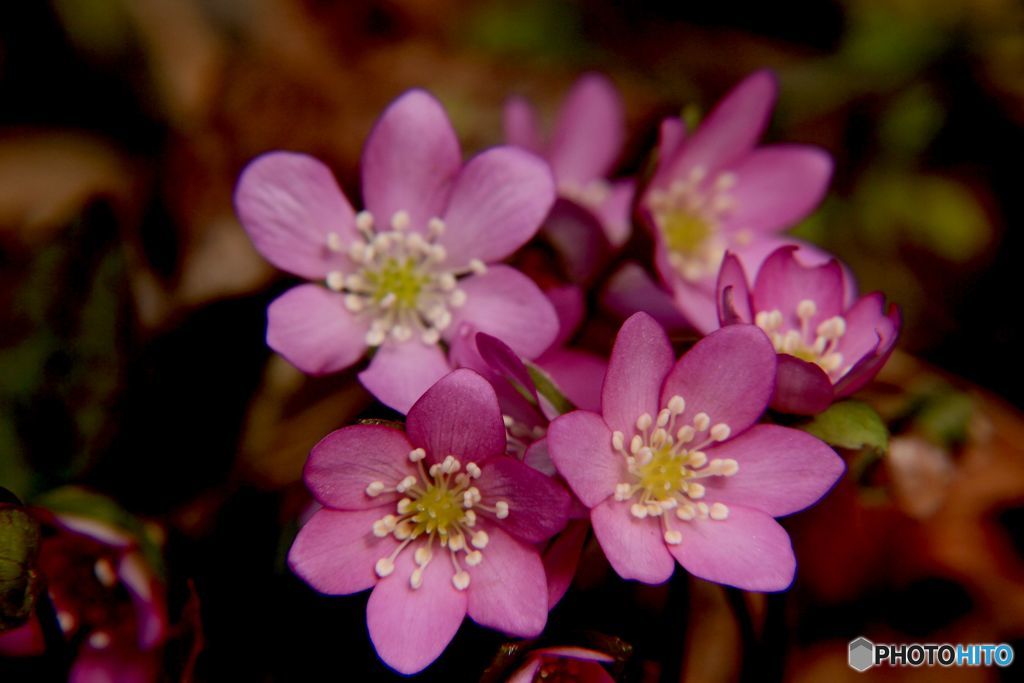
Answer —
438 521
675 466
715 191
830 343
593 212
410 269
564 663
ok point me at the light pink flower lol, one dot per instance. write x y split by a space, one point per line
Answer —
410 269
437 520
592 213
564 663
716 190
675 468
830 343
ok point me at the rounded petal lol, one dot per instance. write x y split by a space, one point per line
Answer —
634 547
588 131
400 373
729 375
886 331
577 374
671 134
562 557
616 210
288 204
506 304
538 505
580 445
410 627
310 326
749 550
347 460
336 550
783 282
578 237
410 160
521 124
777 186
631 289
733 293
570 308
640 360
801 388
781 470
508 590
458 416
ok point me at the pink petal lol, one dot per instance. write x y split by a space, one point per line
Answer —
497 204
801 388
503 361
781 470
288 204
580 445
777 186
538 505
588 131
506 304
634 547
693 300
569 306
671 134
615 212
410 628
538 458
749 550
521 125
458 416
310 326
577 374
347 460
561 558
147 594
640 359
23 641
733 293
507 590
400 373
410 160
335 551
886 331
729 375
783 282
579 239
118 662
631 289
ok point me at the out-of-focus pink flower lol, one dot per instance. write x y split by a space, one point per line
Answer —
410 269
564 663
674 466
438 521
830 343
592 213
715 191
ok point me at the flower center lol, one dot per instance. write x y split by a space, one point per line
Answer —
689 215
666 463
438 504
399 281
818 347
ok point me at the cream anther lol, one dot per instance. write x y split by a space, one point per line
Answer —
334 242
701 421
833 328
400 220
806 309
474 557
406 484
685 512
673 537
695 490
404 505
720 432
457 299
643 422
364 221
423 555
685 434
676 405
336 280
375 488
501 509
697 459
635 444
436 227
477 266
638 510
618 440
461 580
473 470
417 454
384 567
480 539
623 491
416 578
104 572
718 511
664 415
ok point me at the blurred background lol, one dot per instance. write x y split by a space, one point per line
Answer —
132 355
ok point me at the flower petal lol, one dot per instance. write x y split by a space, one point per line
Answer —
410 627
781 470
344 462
570 308
561 558
588 131
310 326
776 186
506 304
336 550
631 289
671 134
410 160
614 212
729 375
783 282
521 124
400 373
801 388
497 204
458 416
733 292
578 237
538 506
634 547
580 445
640 359
288 204
886 332
577 374
749 550
508 590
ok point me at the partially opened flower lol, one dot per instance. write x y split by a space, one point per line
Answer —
715 191
437 520
410 269
675 468
577 664
830 343
593 212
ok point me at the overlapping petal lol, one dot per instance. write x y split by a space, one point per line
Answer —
588 131
538 506
336 550
459 415
310 326
400 373
580 445
634 547
344 462
640 360
508 590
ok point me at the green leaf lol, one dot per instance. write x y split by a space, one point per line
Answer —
850 424
19 548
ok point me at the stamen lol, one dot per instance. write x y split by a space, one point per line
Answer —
400 220
701 421
718 511
375 489
673 537
336 280
417 454
676 405
461 580
720 432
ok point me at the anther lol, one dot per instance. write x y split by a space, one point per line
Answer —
364 221
701 421
686 434
623 491
417 454
720 432
638 510
718 511
635 444
336 280
375 489
695 490
618 440
384 567
473 470
400 220
404 505
474 557
406 484
643 422
461 580
697 459
806 309
354 303
416 578
423 555
664 415
480 539
501 509
477 266
673 537
435 226
457 298
676 405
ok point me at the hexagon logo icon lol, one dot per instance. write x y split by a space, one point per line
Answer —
862 654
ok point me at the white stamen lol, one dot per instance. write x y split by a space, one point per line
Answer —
618 440
677 405
384 567
104 571
336 280
720 432
644 422
477 266
364 221
400 221
501 509
718 511
461 580
474 557
480 539
416 578
673 537
806 309
417 454
375 489
701 421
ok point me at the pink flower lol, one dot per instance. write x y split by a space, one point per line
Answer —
438 521
830 343
564 663
410 269
675 466
716 191
592 213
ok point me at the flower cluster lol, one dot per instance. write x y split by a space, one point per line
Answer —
516 442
